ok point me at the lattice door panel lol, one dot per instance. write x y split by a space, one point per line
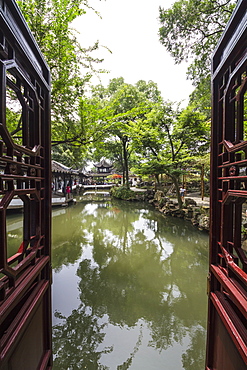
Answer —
25 268
227 335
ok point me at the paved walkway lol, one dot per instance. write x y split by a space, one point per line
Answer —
138 190
198 199
195 196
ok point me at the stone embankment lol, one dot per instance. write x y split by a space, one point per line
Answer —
194 211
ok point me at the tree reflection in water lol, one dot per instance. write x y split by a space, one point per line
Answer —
76 341
145 270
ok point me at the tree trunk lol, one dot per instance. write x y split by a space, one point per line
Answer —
123 170
175 182
157 178
156 185
125 158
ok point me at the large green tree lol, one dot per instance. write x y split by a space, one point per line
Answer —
168 140
125 104
51 24
190 30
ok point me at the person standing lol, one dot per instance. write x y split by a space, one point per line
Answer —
182 192
68 191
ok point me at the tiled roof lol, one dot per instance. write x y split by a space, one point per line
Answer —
59 167
103 163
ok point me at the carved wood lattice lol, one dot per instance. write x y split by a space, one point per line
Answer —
25 274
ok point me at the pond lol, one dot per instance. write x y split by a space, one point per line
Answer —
129 288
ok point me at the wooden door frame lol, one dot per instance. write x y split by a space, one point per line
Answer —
25 173
227 290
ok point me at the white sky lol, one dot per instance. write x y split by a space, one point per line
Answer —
129 28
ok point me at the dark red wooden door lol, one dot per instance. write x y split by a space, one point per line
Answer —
25 267
227 335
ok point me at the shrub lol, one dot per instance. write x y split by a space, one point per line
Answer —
123 193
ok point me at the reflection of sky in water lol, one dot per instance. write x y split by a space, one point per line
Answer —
174 293
65 298
167 251
137 342
87 251
141 225
90 208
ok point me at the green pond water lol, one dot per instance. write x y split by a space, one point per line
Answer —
129 288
